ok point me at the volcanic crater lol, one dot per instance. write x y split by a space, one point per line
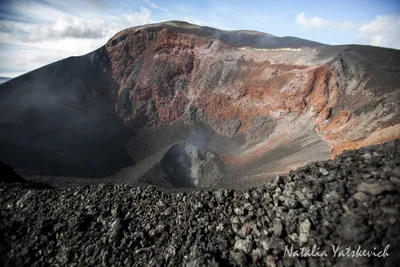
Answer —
182 106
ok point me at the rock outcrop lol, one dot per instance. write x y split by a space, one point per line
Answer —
169 72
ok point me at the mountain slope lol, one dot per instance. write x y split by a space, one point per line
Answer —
4 79
262 104
56 120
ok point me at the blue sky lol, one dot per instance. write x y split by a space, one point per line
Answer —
34 33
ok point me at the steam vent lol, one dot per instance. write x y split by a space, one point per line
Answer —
187 166
182 145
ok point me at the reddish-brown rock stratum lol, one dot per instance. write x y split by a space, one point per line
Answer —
262 104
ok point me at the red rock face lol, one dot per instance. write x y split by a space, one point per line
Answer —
162 75
175 70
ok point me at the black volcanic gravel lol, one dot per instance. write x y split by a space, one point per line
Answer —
350 201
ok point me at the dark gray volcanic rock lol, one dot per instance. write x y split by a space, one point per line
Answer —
350 201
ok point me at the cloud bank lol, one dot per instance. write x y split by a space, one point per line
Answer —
57 34
311 22
383 30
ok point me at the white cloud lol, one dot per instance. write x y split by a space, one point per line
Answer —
27 59
378 40
381 24
155 6
133 19
311 22
66 26
34 11
66 35
383 30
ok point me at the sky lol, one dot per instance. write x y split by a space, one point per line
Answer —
34 33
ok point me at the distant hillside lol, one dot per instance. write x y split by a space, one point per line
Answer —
4 79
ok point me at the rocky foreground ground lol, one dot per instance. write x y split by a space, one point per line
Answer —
349 202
